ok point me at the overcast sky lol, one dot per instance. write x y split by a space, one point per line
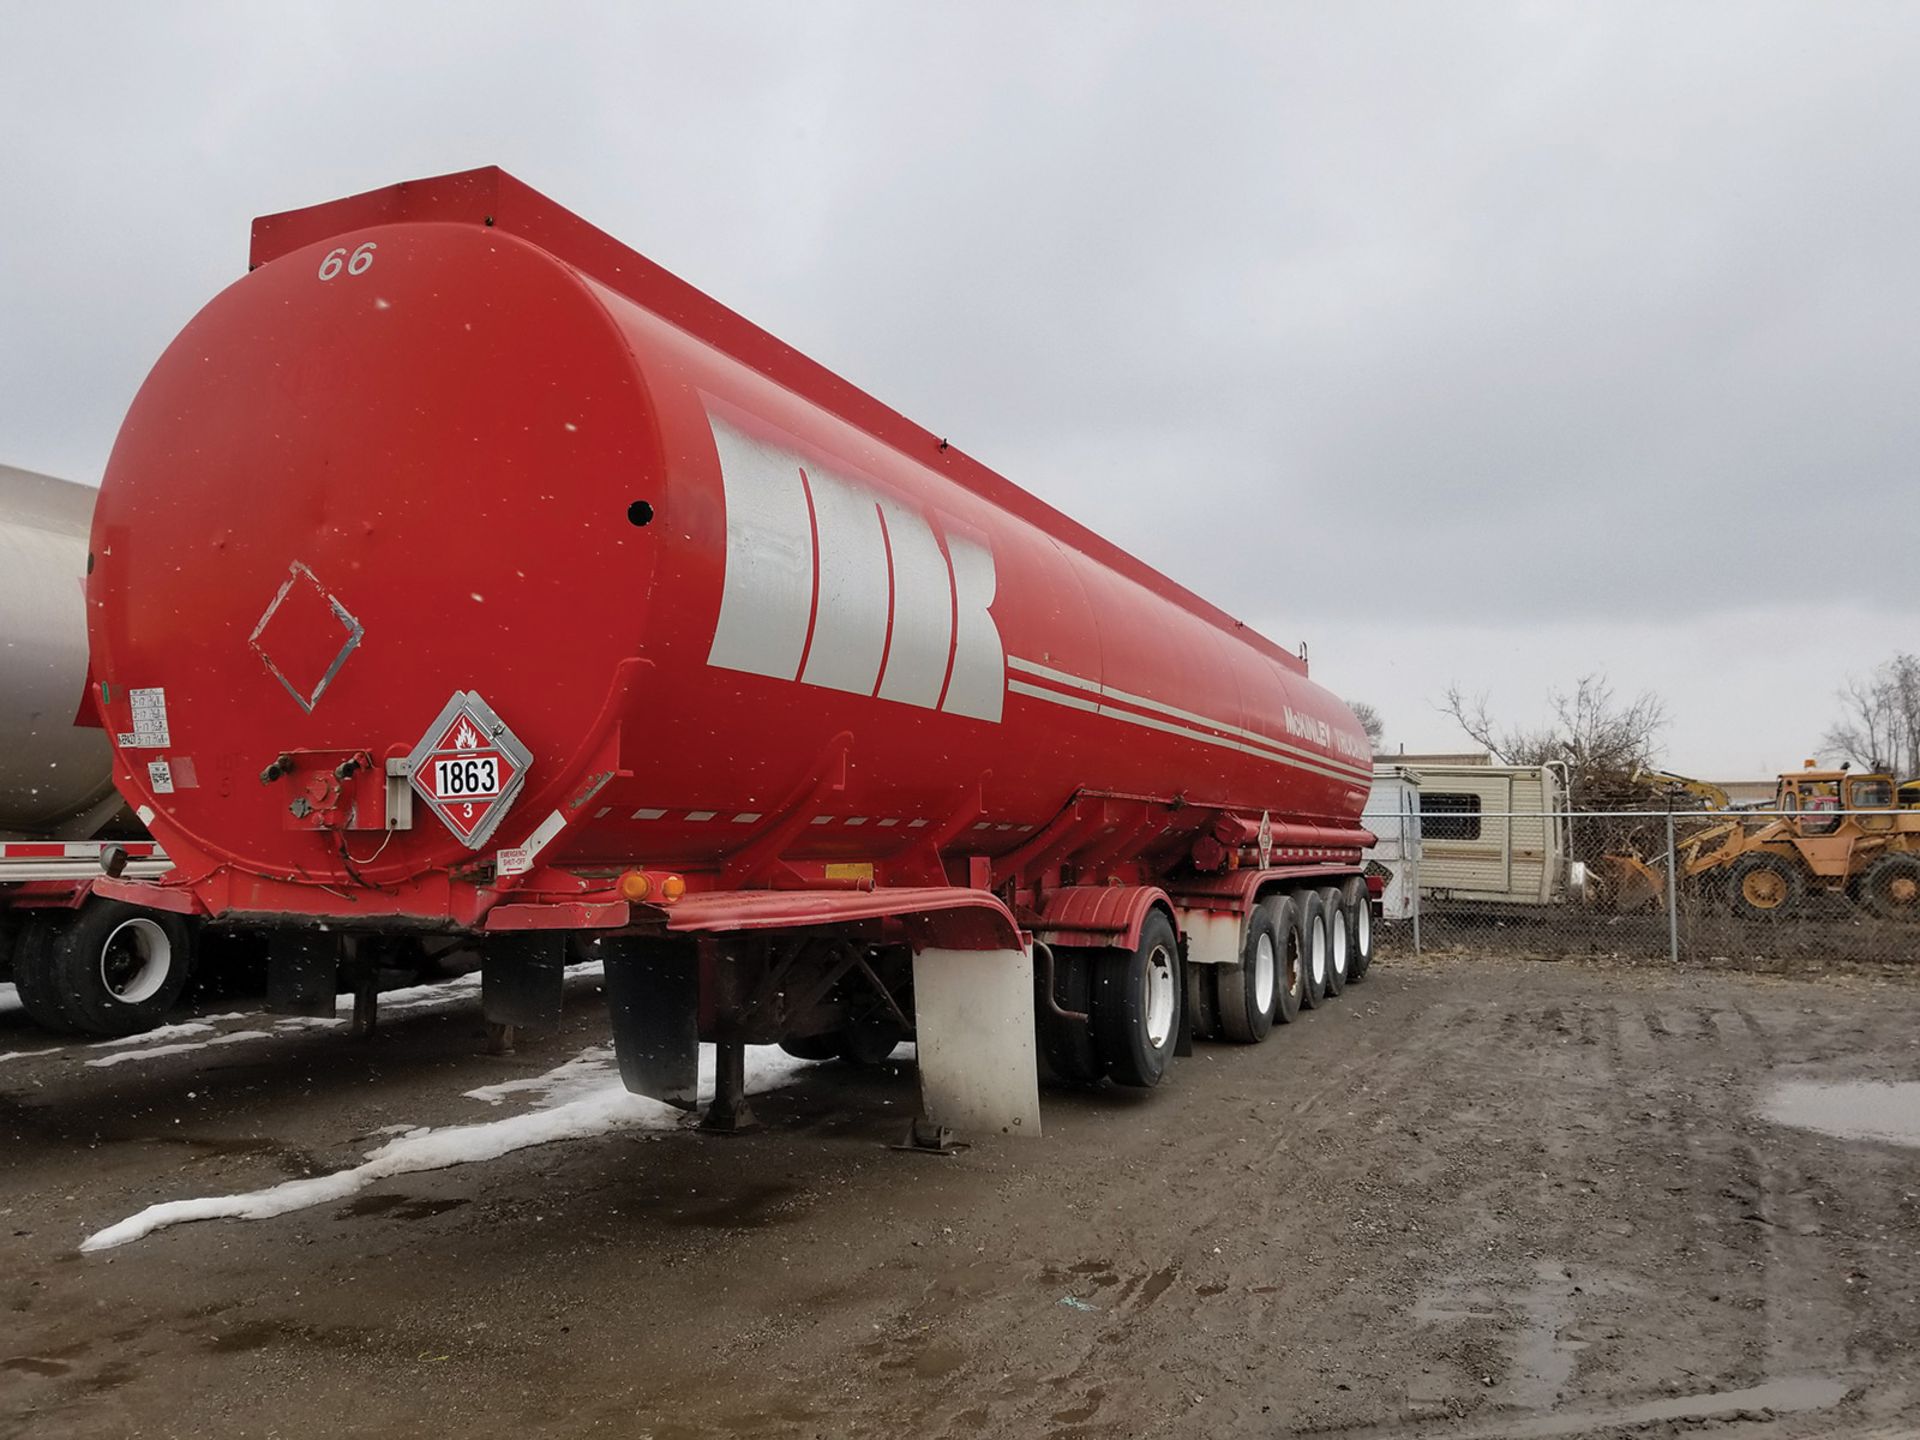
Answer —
1475 343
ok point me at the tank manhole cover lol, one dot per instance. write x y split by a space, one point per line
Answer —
305 636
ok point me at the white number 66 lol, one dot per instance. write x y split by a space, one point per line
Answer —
360 262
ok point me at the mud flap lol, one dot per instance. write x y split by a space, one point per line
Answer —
973 1021
653 1001
302 972
521 980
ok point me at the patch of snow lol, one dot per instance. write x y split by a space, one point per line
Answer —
588 1111
154 1052
30 1054
157 1035
586 1072
409 997
441 992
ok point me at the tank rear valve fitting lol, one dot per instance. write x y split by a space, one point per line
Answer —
278 768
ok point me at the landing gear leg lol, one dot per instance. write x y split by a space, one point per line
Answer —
729 1114
366 1003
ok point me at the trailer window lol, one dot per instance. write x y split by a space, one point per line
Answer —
1449 817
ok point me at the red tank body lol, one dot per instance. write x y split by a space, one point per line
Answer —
749 625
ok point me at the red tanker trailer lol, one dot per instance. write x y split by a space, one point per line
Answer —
460 571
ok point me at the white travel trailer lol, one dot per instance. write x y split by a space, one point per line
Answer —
1494 834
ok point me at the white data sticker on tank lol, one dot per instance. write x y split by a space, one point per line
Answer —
149 720
160 777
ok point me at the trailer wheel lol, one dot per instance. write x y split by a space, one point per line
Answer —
1284 912
1247 993
119 969
1359 907
812 1047
868 1042
1137 1004
1764 886
33 976
1069 1044
1891 887
1338 922
1311 926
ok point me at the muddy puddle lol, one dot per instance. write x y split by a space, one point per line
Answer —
1851 1110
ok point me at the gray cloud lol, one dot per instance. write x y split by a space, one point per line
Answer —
1534 314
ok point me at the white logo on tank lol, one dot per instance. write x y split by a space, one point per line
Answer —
834 583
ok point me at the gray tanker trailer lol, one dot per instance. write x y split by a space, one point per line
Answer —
79 961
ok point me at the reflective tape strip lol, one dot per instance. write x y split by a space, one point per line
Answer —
1346 768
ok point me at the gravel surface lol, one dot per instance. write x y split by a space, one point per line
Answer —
1474 1196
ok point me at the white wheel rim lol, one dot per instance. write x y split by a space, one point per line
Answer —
1366 929
1159 997
135 960
1319 952
1263 972
1339 947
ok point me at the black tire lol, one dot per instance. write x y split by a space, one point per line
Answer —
1068 1044
1765 886
1359 907
1309 924
33 974
1138 997
120 969
1203 1004
1247 993
1338 935
1292 989
1891 887
868 1042
812 1047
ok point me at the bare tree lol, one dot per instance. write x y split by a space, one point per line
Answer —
1370 721
1879 727
1600 738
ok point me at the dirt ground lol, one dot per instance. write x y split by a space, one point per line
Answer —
1480 1197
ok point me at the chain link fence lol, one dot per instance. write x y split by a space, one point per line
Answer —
1761 890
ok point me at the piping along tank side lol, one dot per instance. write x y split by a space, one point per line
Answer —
690 590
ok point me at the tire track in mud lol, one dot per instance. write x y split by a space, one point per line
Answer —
1530 1189
1512 1296
1048 1381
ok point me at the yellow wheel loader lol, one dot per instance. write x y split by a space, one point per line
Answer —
1834 832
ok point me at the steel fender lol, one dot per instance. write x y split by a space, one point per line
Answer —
1099 915
950 916
173 900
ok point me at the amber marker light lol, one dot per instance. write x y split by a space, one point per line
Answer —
635 886
672 888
